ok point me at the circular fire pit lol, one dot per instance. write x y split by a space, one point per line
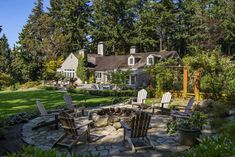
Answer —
111 116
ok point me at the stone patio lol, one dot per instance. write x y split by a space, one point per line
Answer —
108 141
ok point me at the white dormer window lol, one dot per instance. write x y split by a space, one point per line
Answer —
150 60
131 60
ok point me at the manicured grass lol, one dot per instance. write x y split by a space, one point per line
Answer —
12 102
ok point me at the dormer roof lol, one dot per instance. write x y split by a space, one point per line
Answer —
102 63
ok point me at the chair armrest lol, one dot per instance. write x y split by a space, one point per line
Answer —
50 114
143 101
133 99
84 124
55 110
181 107
181 113
181 116
124 125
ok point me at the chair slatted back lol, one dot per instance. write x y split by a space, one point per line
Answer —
139 124
42 110
166 98
68 101
189 105
142 94
67 123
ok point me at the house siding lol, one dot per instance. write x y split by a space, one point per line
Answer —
142 79
71 62
103 78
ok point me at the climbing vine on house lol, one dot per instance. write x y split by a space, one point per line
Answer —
82 71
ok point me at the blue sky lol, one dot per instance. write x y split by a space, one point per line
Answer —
13 16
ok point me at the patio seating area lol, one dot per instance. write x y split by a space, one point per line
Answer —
108 139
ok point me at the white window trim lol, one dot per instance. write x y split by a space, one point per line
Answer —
129 80
152 60
98 75
129 60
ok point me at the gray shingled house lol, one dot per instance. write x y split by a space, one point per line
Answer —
102 65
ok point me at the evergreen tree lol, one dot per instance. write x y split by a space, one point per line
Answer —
5 55
30 40
155 25
113 22
72 18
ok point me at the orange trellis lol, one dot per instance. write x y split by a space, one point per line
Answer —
197 76
185 83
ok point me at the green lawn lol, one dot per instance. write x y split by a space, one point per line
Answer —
12 102
174 101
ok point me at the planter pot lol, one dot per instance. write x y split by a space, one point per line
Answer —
188 137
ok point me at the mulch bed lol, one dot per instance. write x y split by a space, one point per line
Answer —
12 141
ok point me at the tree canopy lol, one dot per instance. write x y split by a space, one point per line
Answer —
187 26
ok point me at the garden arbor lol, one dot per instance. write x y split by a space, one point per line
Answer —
176 78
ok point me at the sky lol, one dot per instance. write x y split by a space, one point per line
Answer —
14 15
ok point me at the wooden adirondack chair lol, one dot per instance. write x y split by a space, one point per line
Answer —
140 100
183 111
48 119
72 131
166 99
138 129
71 106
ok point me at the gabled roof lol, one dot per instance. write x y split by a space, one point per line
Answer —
103 63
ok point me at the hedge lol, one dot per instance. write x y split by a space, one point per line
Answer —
116 93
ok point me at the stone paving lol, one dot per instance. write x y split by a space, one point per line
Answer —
107 140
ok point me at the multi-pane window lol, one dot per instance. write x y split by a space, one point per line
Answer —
150 61
70 73
98 75
132 79
131 60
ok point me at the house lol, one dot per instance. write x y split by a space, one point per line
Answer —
102 64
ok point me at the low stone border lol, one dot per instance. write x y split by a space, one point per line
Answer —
108 140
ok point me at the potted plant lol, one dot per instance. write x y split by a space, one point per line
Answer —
188 129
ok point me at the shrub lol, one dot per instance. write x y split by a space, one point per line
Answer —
3 126
30 151
30 84
151 92
165 78
71 89
21 117
49 88
117 100
121 93
217 74
119 78
2 132
216 146
196 121
5 80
